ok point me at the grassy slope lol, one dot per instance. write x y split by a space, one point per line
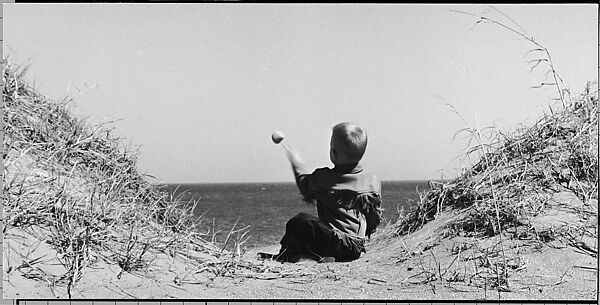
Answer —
517 171
71 188
533 189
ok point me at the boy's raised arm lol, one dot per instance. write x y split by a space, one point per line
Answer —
301 172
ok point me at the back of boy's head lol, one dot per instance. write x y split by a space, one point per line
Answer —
350 142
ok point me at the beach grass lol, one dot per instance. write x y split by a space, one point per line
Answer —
514 171
531 189
75 186
537 183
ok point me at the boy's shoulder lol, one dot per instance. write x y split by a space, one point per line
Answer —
323 174
362 180
369 181
322 171
332 171
372 182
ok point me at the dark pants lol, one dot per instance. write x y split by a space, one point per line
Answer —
307 234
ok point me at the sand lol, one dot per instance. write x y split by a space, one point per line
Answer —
419 266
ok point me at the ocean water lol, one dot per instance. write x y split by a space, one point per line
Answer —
266 207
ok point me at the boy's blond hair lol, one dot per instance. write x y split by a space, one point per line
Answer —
350 141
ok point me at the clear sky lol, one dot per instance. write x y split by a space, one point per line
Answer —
201 87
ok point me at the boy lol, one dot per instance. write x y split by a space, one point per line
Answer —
348 203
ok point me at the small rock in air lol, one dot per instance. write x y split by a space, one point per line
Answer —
277 137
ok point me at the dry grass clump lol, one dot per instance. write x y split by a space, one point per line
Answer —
531 189
517 173
77 188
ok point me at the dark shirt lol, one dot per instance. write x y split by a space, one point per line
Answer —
344 195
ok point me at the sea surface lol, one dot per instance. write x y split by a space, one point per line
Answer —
266 207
